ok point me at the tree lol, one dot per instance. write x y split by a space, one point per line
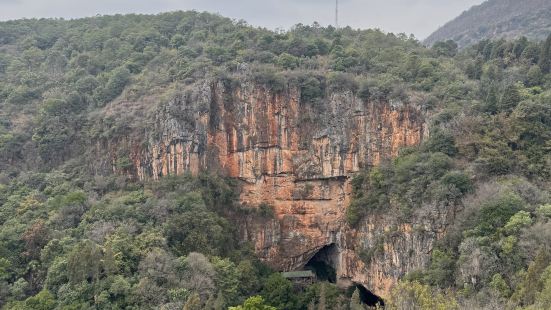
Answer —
177 41
440 272
534 76
543 298
4 62
532 283
279 292
158 265
53 135
41 301
355 302
118 80
531 53
36 237
87 85
510 99
448 48
198 274
44 300
341 82
416 296
217 302
254 303
476 264
311 89
543 211
149 294
249 281
519 46
226 279
193 303
496 212
193 228
322 302
443 142
491 101
55 64
545 56
500 286
84 262
364 91
4 266
19 288
57 274
288 61
518 221
459 180
322 294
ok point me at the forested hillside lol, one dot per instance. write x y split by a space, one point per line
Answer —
81 229
497 19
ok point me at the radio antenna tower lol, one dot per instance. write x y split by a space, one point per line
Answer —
337 14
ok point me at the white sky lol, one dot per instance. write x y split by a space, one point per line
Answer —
420 17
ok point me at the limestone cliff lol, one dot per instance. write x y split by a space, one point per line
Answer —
299 158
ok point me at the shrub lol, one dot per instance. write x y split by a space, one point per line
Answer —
364 91
339 82
518 221
500 286
544 211
124 162
496 213
311 89
459 180
266 211
287 61
270 79
118 80
442 142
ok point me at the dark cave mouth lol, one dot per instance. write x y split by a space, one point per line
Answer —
367 297
323 264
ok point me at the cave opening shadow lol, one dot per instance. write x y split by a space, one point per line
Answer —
323 264
367 297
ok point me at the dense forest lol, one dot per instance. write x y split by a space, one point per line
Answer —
73 237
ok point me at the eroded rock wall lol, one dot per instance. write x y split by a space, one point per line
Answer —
298 157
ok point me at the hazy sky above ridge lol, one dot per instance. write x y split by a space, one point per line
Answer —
420 17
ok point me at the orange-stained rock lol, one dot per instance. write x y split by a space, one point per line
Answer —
300 159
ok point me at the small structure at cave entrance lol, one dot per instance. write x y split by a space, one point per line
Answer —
300 277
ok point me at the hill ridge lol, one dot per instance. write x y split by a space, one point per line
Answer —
495 19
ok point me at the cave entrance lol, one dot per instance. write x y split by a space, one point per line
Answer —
367 297
324 263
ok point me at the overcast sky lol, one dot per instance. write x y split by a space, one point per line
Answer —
420 17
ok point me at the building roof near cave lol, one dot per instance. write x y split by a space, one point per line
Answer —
298 274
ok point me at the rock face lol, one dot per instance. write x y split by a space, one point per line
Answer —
299 158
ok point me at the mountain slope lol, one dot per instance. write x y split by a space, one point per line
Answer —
184 160
496 19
